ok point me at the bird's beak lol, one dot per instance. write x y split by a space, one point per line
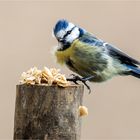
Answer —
60 40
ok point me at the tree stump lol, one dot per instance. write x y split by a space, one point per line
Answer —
48 112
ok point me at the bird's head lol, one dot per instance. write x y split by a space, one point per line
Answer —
66 32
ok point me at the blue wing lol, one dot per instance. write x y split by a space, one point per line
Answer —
110 50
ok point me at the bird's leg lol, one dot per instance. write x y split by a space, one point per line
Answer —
76 78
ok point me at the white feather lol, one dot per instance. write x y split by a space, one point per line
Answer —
70 26
61 33
53 34
74 34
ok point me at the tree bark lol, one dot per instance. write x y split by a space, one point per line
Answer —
48 112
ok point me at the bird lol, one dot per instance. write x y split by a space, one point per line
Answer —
91 58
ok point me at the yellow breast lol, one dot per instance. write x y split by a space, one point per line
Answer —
63 56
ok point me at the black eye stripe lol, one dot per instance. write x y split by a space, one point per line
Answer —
68 32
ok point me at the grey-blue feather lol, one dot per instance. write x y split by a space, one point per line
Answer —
129 64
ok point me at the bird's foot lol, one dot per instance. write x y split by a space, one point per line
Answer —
76 78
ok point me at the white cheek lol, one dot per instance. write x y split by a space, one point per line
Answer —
61 34
74 34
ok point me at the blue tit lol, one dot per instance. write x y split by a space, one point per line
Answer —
90 56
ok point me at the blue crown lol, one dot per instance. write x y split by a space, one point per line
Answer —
61 24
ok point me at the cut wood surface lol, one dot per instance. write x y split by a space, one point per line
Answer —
48 112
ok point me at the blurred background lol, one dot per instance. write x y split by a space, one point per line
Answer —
26 41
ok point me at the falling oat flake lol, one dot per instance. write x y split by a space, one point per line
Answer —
83 111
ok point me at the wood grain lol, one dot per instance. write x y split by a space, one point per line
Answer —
48 112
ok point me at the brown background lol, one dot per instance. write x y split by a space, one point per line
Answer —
26 40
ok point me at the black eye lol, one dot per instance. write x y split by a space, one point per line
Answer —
68 32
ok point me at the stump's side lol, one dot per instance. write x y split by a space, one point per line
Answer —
48 112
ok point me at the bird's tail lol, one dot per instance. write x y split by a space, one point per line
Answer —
134 71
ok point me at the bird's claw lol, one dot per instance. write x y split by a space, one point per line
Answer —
76 78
